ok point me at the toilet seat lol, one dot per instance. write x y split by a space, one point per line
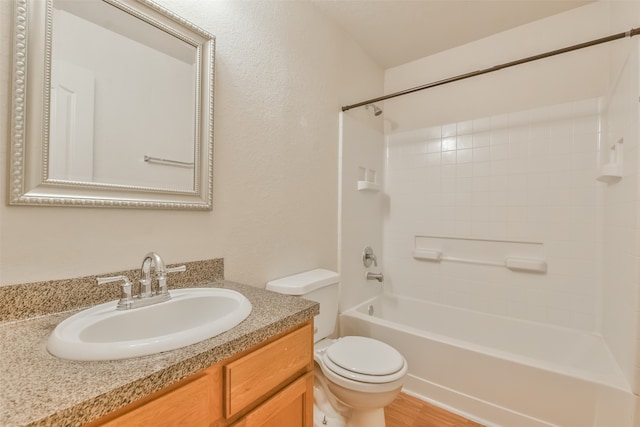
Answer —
364 360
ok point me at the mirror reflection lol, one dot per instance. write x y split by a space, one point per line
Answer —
99 131
119 106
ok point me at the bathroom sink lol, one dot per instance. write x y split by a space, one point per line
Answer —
191 315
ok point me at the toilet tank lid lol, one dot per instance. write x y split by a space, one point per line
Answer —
303 283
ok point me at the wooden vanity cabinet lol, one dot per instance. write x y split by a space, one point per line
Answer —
270 385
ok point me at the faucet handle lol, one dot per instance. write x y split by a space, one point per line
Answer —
125 299
103 280
369 257
162 278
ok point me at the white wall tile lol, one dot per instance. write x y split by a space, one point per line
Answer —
449 130
464 155
499 152
586 125
561 144
499 167
520 176
465 127
500 136
434 146
481 169
449 143
448 157
481 139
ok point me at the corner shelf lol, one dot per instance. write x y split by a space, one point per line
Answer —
368 186
611 172
367 179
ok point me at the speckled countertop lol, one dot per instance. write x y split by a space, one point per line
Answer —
38 389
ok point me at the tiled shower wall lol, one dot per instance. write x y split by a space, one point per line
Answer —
527 176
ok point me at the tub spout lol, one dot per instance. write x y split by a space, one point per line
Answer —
375 276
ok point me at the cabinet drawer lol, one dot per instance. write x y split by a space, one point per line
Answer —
263 372
187 405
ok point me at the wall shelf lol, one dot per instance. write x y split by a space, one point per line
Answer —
513 255
368 186
367 179
611 172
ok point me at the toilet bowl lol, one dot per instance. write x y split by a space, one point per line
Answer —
363 374
355 377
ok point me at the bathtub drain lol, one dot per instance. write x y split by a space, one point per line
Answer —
370 310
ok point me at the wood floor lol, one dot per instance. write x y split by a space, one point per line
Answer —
408 411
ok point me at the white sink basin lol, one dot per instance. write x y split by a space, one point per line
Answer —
190 316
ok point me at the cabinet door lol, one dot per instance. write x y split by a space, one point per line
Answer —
291 407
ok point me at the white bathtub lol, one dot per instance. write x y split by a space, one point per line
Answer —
497 370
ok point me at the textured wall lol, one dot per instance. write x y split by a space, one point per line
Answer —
282 73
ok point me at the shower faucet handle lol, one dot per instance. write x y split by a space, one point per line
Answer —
368 257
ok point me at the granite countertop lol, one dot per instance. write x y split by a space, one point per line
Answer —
38 389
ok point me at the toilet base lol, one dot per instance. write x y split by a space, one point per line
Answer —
371 418
326 419
358 409
327 411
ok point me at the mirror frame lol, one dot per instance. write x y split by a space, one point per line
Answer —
28 169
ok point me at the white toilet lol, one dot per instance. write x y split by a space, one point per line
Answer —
356 377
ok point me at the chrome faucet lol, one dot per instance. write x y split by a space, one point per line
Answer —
368 258
375 276
147 296
152 259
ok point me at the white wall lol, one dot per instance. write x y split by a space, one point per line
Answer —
569 77
282 73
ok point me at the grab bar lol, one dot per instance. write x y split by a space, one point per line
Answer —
512 263
150 159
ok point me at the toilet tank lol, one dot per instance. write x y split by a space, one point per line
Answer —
317 285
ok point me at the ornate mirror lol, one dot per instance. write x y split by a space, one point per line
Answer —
112 106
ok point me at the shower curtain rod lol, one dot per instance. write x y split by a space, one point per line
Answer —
630 33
